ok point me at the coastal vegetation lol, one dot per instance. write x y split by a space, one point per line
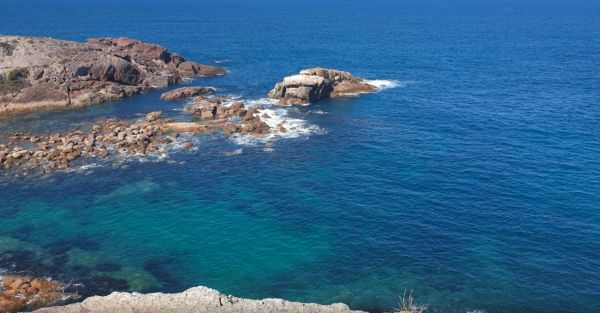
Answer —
13 79
406 304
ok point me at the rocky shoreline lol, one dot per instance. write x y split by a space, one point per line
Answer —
19 293
115 139
197 299
37 74
45 73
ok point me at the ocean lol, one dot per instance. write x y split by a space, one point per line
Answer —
472 178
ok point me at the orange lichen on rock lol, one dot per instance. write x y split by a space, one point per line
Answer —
27 293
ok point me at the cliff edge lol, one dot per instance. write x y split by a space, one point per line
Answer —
197 300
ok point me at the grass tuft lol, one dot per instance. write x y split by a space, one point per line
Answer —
406 304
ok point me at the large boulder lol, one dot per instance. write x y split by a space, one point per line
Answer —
318 83
38 73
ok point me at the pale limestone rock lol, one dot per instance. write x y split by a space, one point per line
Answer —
196 300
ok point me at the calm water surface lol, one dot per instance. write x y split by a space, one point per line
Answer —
475 181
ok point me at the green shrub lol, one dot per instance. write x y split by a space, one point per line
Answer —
13 79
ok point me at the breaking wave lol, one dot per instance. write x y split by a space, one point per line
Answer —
383 84
282 124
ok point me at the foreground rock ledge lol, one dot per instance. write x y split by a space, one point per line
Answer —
197 299
44 73
318 83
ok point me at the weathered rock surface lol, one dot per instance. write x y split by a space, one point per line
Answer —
214 110
186 93
24 153
318 83
197 299
26 293
39 73
42 153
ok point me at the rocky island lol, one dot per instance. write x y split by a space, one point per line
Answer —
45 73
318 83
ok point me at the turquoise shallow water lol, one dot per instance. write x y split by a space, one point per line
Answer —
474 182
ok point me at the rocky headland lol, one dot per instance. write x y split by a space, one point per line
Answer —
46 73
197 299
314 84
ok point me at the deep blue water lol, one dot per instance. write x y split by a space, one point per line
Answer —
475 182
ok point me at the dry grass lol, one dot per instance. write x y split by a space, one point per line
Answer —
406 304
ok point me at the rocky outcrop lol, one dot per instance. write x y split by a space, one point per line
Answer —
40 73
318 83
41 153
232 118
25 153
185 93
26 293
198 299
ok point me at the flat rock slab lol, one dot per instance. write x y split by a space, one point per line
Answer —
197 300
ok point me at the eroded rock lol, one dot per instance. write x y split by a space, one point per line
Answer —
20 293
186 93
197 299
314 84
38 73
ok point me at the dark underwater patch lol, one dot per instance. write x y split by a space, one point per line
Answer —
8 212
108 267
158 269
64 245
98 286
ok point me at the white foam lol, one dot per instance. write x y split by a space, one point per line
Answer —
222 61
383 84
233 152
281 123
320 112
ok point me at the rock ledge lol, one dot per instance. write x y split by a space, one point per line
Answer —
197 299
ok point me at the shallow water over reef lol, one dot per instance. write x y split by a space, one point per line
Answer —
475 181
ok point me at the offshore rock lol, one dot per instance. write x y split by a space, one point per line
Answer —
186 93
197 299
314 84
43 73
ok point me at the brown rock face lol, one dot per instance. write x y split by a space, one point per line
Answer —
38 73
186 93
27 293
318 83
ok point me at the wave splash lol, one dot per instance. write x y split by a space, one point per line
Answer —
282 124
383 84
